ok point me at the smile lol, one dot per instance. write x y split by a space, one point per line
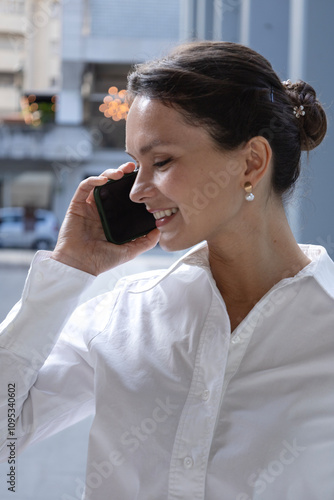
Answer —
165 213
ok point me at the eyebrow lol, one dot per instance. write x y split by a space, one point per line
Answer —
148 147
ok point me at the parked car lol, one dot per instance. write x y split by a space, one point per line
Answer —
28 228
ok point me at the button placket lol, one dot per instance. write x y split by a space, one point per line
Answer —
194 435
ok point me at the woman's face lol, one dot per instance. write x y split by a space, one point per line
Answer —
194 191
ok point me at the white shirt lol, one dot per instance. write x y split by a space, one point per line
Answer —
184 409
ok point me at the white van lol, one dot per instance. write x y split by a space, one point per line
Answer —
28 228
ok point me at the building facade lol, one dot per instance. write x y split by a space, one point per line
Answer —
70 52
77 49
30 70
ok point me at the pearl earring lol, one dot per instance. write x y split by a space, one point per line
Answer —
248 188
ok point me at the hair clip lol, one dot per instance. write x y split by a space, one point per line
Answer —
287 83
271 94
299 111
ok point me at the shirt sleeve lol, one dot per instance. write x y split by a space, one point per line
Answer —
39 397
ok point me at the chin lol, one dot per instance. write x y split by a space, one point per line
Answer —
175 244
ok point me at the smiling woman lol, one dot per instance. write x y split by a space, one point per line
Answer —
177 166
212 378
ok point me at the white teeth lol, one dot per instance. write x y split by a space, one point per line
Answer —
165 213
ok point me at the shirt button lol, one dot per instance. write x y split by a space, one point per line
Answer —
235 340
205 395
188 462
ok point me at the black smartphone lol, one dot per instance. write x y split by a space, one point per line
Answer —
122 219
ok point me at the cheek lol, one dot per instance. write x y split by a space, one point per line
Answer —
207 194
172 185
210 204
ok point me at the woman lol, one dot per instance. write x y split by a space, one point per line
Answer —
212 379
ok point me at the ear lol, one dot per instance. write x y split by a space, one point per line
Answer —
258 157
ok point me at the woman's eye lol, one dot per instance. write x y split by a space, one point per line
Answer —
161 163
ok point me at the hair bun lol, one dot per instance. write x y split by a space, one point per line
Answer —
313 122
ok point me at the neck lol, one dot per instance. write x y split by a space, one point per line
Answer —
251 259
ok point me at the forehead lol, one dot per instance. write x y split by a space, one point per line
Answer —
147 115
151 122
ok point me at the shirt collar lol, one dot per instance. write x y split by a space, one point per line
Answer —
196 256
321 266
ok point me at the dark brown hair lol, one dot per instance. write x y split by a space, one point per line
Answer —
234 92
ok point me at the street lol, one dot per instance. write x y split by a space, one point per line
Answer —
54 468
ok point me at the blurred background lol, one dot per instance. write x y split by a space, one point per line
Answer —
63 66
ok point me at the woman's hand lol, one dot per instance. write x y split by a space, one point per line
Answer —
82 243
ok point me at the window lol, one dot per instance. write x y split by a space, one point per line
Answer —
12 6
113 18
8 219
6 79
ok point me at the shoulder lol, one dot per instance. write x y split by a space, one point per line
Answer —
133 296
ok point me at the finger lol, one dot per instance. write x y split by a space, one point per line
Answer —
144 243
116 174
153 236
113 174
86 187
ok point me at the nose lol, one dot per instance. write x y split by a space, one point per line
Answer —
143 188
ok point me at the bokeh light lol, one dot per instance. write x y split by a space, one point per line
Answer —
36 113
114 104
